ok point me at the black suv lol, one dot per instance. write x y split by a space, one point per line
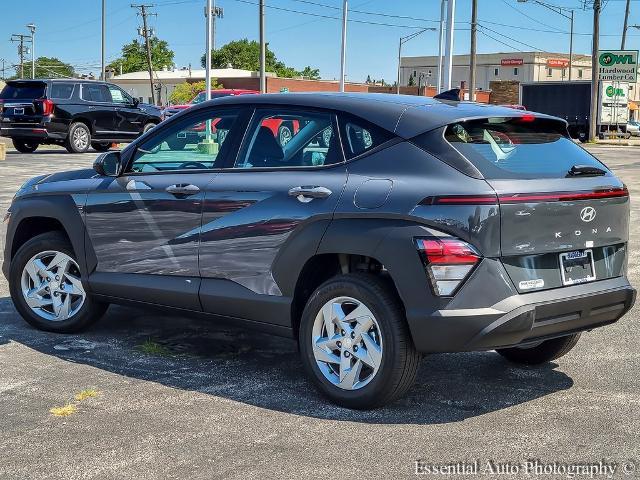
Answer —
386 227
75 113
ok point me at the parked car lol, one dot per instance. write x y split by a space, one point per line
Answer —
283 131
422 227
633 128
77 114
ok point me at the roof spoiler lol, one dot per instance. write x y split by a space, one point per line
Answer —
453 94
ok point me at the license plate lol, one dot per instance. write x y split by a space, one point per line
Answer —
577 267
18 111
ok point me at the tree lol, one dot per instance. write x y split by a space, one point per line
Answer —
368 80
184 92
412 81
47 67
134 56
245 55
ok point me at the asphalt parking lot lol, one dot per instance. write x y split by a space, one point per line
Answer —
183 398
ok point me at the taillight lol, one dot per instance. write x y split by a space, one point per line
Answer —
448 262
47 106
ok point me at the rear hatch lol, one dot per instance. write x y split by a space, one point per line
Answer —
22 103
564 215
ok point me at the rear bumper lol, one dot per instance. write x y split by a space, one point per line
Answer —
525 318
32 132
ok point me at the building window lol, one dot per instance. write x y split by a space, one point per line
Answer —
496 72
580 73
549 72
515 71
429 73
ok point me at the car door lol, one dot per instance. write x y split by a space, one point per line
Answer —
129 119
99 109
144 225
253 207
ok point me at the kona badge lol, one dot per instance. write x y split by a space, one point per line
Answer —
587 214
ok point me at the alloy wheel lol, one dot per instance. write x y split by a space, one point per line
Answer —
51 286
80 138
347 343
285 135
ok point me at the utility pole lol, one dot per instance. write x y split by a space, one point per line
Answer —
146 33
343 50
448 48
593 124
2 60
626 22
21 39
472 60
218 12
102 66
207 76
263 51
32 29
443 4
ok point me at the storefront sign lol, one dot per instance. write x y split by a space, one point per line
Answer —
618 65
557 62
511 62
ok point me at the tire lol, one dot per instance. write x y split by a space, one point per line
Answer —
101 147
285 134
398 360
148 127
79 138
24 146
541 353
82 309
176 143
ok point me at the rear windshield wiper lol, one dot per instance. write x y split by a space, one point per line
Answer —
586 170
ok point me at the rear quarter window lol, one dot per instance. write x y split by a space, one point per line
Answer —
23 90
518 147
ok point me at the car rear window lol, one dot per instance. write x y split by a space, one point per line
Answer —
61 91
518 147
23 90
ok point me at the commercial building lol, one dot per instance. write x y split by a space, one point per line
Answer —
165 81
518 66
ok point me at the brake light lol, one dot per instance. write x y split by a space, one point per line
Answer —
448 262
47 106
527 117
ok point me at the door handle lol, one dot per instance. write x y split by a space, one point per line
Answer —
306 194
182 189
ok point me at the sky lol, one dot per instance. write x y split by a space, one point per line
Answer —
307 32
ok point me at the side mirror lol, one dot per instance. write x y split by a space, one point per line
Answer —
108 164
136 102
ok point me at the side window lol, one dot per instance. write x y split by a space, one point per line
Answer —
96 93
118 96
289 138
360 136
196 142
61 91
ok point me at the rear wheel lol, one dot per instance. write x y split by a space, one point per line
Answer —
148 127
355 343
79 138
25 146
45 285
541 352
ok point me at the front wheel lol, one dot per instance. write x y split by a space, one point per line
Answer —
46 287
355 342
24 146
541 352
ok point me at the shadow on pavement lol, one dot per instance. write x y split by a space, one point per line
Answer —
266 371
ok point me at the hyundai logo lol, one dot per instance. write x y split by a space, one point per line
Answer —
587 214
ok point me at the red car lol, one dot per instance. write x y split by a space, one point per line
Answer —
283 130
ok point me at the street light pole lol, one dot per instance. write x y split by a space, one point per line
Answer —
263 51
448 48
343 50
440 44
32 29
102 66
207 74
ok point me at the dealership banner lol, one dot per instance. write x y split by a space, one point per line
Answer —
557 62
509 62
618 65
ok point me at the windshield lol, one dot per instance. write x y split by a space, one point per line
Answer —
520 147
202 97
23 90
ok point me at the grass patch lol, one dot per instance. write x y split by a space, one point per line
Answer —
150 347
84 394
65 411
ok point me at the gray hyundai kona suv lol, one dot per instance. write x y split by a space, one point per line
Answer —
386 227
